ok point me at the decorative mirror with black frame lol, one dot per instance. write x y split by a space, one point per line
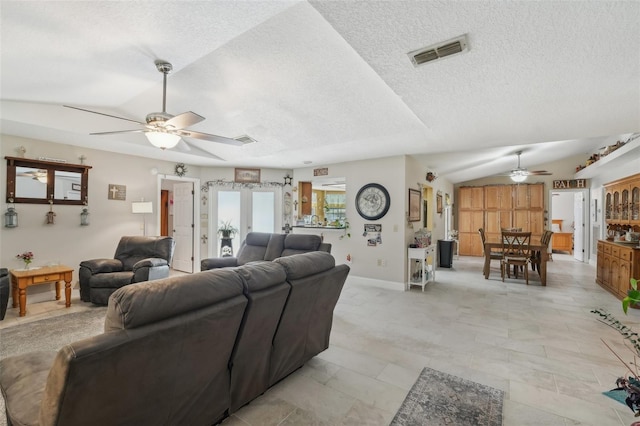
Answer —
41 182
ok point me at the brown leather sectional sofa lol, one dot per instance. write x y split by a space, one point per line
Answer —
185 350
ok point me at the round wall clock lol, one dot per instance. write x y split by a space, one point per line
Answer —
373 201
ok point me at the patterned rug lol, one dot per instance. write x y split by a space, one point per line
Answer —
437 398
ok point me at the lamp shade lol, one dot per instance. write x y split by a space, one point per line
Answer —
142 207
163 140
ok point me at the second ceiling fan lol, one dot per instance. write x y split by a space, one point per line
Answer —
163 129
519 174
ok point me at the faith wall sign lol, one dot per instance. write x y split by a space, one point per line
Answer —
569 183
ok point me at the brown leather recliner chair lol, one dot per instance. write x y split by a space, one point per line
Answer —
137 259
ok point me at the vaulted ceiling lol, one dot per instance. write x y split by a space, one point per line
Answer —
328 81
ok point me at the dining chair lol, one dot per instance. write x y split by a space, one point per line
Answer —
516 252
493 255
536 256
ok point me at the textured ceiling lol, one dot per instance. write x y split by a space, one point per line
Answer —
328 81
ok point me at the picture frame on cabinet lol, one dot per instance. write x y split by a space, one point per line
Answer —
414 205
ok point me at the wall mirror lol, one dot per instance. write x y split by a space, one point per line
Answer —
39 182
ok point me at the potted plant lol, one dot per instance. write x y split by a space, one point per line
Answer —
633 296
227 230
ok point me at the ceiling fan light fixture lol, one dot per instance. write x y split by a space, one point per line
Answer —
518 177
162 140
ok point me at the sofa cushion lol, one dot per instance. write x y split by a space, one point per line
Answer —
300 243
143 303
260 275
254 247
298 266
275 246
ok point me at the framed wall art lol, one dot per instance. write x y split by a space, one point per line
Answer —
247 175
439 203
414 205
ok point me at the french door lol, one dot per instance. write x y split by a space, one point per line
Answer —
246 209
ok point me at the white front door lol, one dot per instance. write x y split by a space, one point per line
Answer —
578 222
183 226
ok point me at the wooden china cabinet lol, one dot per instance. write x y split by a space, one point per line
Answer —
619 260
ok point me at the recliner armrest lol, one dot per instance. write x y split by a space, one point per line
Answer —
218 262
149 262
101 266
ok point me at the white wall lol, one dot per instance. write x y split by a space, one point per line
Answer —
66 241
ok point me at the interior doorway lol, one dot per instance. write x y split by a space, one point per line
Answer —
569 219
178 217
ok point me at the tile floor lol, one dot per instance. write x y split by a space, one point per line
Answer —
541 345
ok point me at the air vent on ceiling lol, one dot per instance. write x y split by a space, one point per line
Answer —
439 51
245 139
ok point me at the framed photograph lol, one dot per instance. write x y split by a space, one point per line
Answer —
247 175
439 203
414 205
75 187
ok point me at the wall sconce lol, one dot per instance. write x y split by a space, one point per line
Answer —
431 176
84 217
142 207
50 214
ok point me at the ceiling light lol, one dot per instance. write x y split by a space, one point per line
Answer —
162 140
518 177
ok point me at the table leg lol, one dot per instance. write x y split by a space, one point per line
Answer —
57 290
67 293
23 301
14 292
542 268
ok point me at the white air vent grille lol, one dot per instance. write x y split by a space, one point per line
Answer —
245 139
439 51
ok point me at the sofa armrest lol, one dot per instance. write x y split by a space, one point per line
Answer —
218 262
101 266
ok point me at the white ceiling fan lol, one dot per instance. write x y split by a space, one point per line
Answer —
519 174
163 129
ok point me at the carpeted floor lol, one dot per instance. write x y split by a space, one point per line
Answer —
438 398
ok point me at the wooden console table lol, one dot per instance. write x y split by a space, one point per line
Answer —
23 278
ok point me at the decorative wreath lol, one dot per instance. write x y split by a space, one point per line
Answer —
180 169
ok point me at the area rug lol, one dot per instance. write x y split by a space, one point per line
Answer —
51 334
438 398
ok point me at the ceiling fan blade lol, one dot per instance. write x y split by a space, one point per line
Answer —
209 137
183 120
540 173
184 146
116 132
106 115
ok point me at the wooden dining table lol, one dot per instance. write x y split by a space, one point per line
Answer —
496 244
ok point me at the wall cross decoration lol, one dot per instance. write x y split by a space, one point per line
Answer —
117 192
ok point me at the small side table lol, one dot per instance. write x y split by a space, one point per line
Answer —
23 278
427 271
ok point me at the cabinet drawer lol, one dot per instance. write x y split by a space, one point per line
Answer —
607 248
626 254
615 251
601 246
46 278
